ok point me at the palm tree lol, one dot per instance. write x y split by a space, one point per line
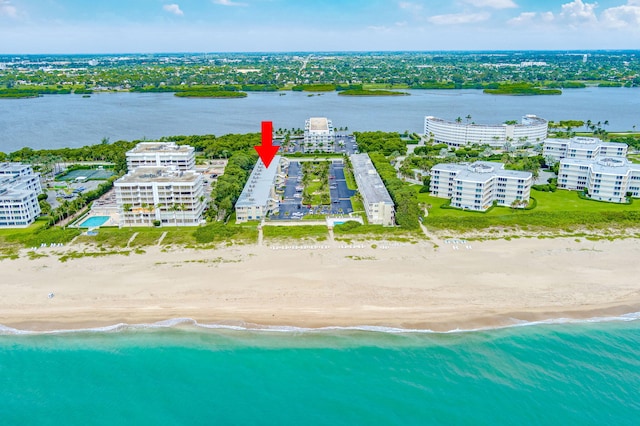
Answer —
468 117
182 207
174 208
157 209
144 209
459 120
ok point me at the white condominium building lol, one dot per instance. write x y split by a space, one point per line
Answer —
258 198
375 197
166 194
476 186
583 148
161 154
319 135
19 190
532 129
605 178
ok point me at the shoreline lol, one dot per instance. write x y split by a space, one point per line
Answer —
494 284
602 315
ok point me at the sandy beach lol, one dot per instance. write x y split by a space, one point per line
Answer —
492 283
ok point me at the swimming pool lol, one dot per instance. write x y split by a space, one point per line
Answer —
94 221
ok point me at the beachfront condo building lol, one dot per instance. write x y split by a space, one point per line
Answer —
605 178
583 148
164 195
478 185
376 199
532 129
259 198
161 154
19 190
319 135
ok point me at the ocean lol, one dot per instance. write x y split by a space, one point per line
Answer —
585 373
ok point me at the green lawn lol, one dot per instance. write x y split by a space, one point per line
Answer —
353 230
315 232
554 210
34 235
315 190
358 207
348 177
119 237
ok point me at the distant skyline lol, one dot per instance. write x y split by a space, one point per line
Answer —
146 26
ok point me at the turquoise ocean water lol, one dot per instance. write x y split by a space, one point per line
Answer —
565 374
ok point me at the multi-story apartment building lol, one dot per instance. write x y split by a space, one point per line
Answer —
375 197
258 197
583 148
161 154
478 185
532 129
19 190
171 196
605 178
319 135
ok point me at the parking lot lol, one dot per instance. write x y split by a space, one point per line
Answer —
291 207
340 193
57 191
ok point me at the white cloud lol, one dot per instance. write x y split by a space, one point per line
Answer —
378 28
495 4
625 16
173 8
579 12
229 3
523 18
412 7
459 18
532 18
547 16
7 9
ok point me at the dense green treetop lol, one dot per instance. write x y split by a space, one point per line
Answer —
320 71
385 142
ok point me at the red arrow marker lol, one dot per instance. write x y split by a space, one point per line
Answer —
267 150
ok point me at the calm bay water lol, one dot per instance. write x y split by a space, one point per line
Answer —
71 121
586 374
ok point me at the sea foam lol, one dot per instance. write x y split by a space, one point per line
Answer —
240 326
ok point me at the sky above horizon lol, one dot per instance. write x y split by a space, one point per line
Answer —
116 26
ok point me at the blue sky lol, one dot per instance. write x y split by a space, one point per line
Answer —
113 26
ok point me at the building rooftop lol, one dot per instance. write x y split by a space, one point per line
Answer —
605 165
162 147
14 186
370 184
583 142
481 171
319 124
14 168
257 190
158 174
527 120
